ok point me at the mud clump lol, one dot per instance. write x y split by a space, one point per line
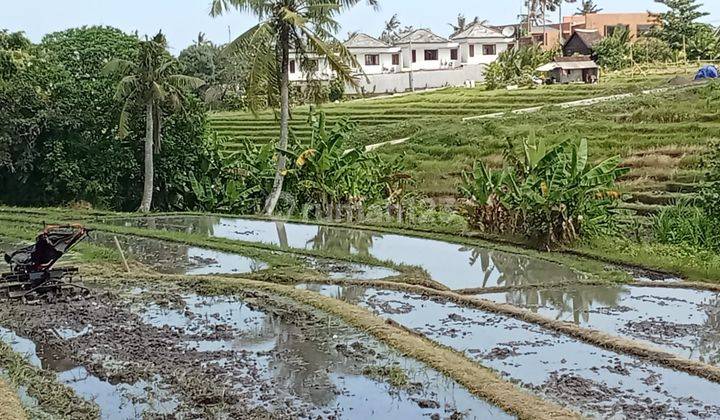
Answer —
578 391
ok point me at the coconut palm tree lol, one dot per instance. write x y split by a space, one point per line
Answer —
462 24
392 30
305 27
149 82
588 7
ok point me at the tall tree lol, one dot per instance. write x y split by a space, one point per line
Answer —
149 82
588 7
679 24
391 32
305 27
462 23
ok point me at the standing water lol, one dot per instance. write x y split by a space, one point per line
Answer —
454 265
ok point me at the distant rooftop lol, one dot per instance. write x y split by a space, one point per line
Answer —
422 36
360 40
478 30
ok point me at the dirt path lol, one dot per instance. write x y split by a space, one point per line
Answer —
10 407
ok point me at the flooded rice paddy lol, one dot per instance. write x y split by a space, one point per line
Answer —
146 353
592 380
681 321
454 265
174 258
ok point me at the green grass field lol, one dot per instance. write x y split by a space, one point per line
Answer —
661 137
385 116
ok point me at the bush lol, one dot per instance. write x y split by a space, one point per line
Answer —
614 52
651 50
686 224
551 196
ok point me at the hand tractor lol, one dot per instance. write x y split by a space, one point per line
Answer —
32 275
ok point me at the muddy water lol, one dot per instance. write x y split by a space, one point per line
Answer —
682 321
173 258
116 400
226 357
456 266
325 375
589 379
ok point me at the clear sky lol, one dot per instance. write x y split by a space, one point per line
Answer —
182 20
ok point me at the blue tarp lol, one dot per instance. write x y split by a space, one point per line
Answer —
707 72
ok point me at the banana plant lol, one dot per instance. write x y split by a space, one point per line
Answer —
547 194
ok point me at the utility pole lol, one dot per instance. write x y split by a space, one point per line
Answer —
560 22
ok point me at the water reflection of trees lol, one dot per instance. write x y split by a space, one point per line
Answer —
343 240
198 225
574 300
304 365
514 270
708 342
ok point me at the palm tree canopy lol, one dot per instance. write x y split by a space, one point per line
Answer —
150 79
306 27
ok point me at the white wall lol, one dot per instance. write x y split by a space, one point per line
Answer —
442 62
423 79
480 58
385 66
323 71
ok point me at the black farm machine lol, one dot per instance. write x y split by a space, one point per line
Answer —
32 274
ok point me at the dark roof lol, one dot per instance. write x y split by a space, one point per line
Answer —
589 37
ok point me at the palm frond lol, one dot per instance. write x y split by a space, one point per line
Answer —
118 66
183 82
126 87
338 57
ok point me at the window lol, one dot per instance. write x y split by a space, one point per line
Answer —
396 59
414 56
292 66
610 29
489 49
431 55
372 59
472 50
453 54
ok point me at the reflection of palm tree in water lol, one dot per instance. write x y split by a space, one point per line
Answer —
575 300
343 240
282 234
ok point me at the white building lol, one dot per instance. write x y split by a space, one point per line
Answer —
373 55
480 44
423 50
435 61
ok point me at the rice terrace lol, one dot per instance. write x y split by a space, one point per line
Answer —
511 216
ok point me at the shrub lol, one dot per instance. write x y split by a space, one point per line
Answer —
551 196
516 66
686 224
613 52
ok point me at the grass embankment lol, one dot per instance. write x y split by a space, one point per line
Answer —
54 400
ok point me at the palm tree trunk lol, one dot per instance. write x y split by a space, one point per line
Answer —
274 196
149 168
